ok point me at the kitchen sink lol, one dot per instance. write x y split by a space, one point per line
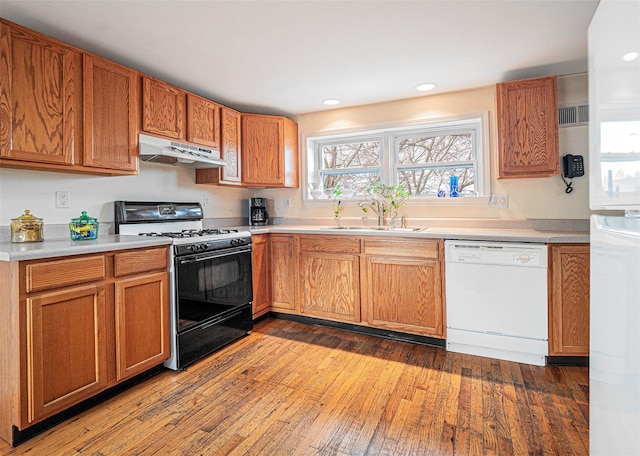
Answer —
376 228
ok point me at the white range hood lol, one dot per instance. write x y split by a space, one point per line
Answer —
154 149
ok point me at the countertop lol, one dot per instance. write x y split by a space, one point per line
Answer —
470 234
64 246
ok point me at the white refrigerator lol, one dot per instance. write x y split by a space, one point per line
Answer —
614 194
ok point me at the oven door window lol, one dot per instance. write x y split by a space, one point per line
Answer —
211 285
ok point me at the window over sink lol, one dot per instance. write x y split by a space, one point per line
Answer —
420 155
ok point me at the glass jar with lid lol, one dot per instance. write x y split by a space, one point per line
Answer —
83 228
26 228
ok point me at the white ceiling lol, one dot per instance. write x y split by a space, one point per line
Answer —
285 57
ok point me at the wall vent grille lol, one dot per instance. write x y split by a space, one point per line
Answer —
573 116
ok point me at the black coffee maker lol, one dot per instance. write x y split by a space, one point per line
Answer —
258 214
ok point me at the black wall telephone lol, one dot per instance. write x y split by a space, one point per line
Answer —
572 166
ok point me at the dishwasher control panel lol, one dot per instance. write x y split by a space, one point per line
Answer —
507 254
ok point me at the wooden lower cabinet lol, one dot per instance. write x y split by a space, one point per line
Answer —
282 260
142 323
402 286
569 300
260 274
388 283
75 326
329 270
66 352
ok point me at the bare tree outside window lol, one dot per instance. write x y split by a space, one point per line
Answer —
425 164
353 165
421 158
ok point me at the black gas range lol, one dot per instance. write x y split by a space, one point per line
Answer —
211 287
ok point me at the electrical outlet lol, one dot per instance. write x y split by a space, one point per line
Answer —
206 200
63 200
499 200
287 202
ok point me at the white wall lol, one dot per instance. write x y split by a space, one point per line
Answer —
528 198
35 190
541 198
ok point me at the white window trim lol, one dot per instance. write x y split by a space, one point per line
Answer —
448 123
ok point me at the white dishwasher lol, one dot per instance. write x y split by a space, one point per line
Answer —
496 300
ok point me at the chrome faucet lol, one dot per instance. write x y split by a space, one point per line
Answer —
376 207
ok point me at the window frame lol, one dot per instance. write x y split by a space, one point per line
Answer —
475 123
319 144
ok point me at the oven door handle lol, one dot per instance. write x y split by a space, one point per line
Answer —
220 320
211 256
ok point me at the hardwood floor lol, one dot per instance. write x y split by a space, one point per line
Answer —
292 389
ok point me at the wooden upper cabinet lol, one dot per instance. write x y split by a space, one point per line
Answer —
527 114
569 300
230 139
40 97
203 121
162 108
230 147
269 151
111 115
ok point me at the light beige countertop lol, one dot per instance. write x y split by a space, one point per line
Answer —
471 234
58 247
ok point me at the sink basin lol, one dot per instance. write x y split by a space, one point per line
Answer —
376 228
345 228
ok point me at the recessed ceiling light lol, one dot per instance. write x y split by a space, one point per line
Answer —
629 56
425 87
331 101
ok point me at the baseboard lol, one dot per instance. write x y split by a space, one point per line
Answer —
387 334
576 361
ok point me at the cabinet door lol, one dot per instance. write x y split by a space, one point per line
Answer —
203 121
66 351
283 275
569 300
527 114
404 294
260 274
111 122
262 160
162 108
40 98
230 174
142 323
330 286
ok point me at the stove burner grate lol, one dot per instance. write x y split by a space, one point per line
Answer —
190 233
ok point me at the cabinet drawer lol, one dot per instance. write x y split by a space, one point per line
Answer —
138 261
60 273
329 244
402 248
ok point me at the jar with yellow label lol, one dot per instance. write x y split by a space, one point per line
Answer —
26 228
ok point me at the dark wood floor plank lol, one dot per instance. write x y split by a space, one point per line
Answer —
291 389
